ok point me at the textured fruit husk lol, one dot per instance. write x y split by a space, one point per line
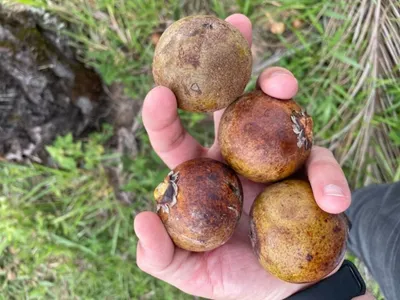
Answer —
258 140
292 237
208 208
205 61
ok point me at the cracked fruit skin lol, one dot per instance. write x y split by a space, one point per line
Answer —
292 237
205 61
265 139
209 203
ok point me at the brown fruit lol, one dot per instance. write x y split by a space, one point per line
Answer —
200 203
205 61
292 237
263 138
277 27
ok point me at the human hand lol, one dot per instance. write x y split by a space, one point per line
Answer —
232 270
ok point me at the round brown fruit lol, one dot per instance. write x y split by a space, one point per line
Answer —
200 203
205 61
292 237
263 138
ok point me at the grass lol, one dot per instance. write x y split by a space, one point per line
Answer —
63 233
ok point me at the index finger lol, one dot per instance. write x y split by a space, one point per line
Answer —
243 24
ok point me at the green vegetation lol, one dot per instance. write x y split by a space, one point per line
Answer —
63 232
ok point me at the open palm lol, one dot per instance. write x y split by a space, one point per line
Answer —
232 270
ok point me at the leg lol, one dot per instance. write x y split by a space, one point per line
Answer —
375 235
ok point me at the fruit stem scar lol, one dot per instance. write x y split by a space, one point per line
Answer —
207 25
300 121
166 192
235 210
235 190
253 238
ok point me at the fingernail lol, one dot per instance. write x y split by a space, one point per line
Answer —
278 73
333 190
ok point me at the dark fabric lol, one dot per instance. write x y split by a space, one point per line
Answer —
375 235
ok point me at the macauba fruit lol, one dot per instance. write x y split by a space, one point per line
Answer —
265 139
292 237
200 203
205 61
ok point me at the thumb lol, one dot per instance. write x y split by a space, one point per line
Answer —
328 181
155 249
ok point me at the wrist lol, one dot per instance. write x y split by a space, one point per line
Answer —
292 289
345 284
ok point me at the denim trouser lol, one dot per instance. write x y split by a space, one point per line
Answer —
375 235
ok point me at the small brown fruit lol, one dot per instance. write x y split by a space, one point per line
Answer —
277 27
155 37
205 61
200 203
297 23
263 138
292 237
